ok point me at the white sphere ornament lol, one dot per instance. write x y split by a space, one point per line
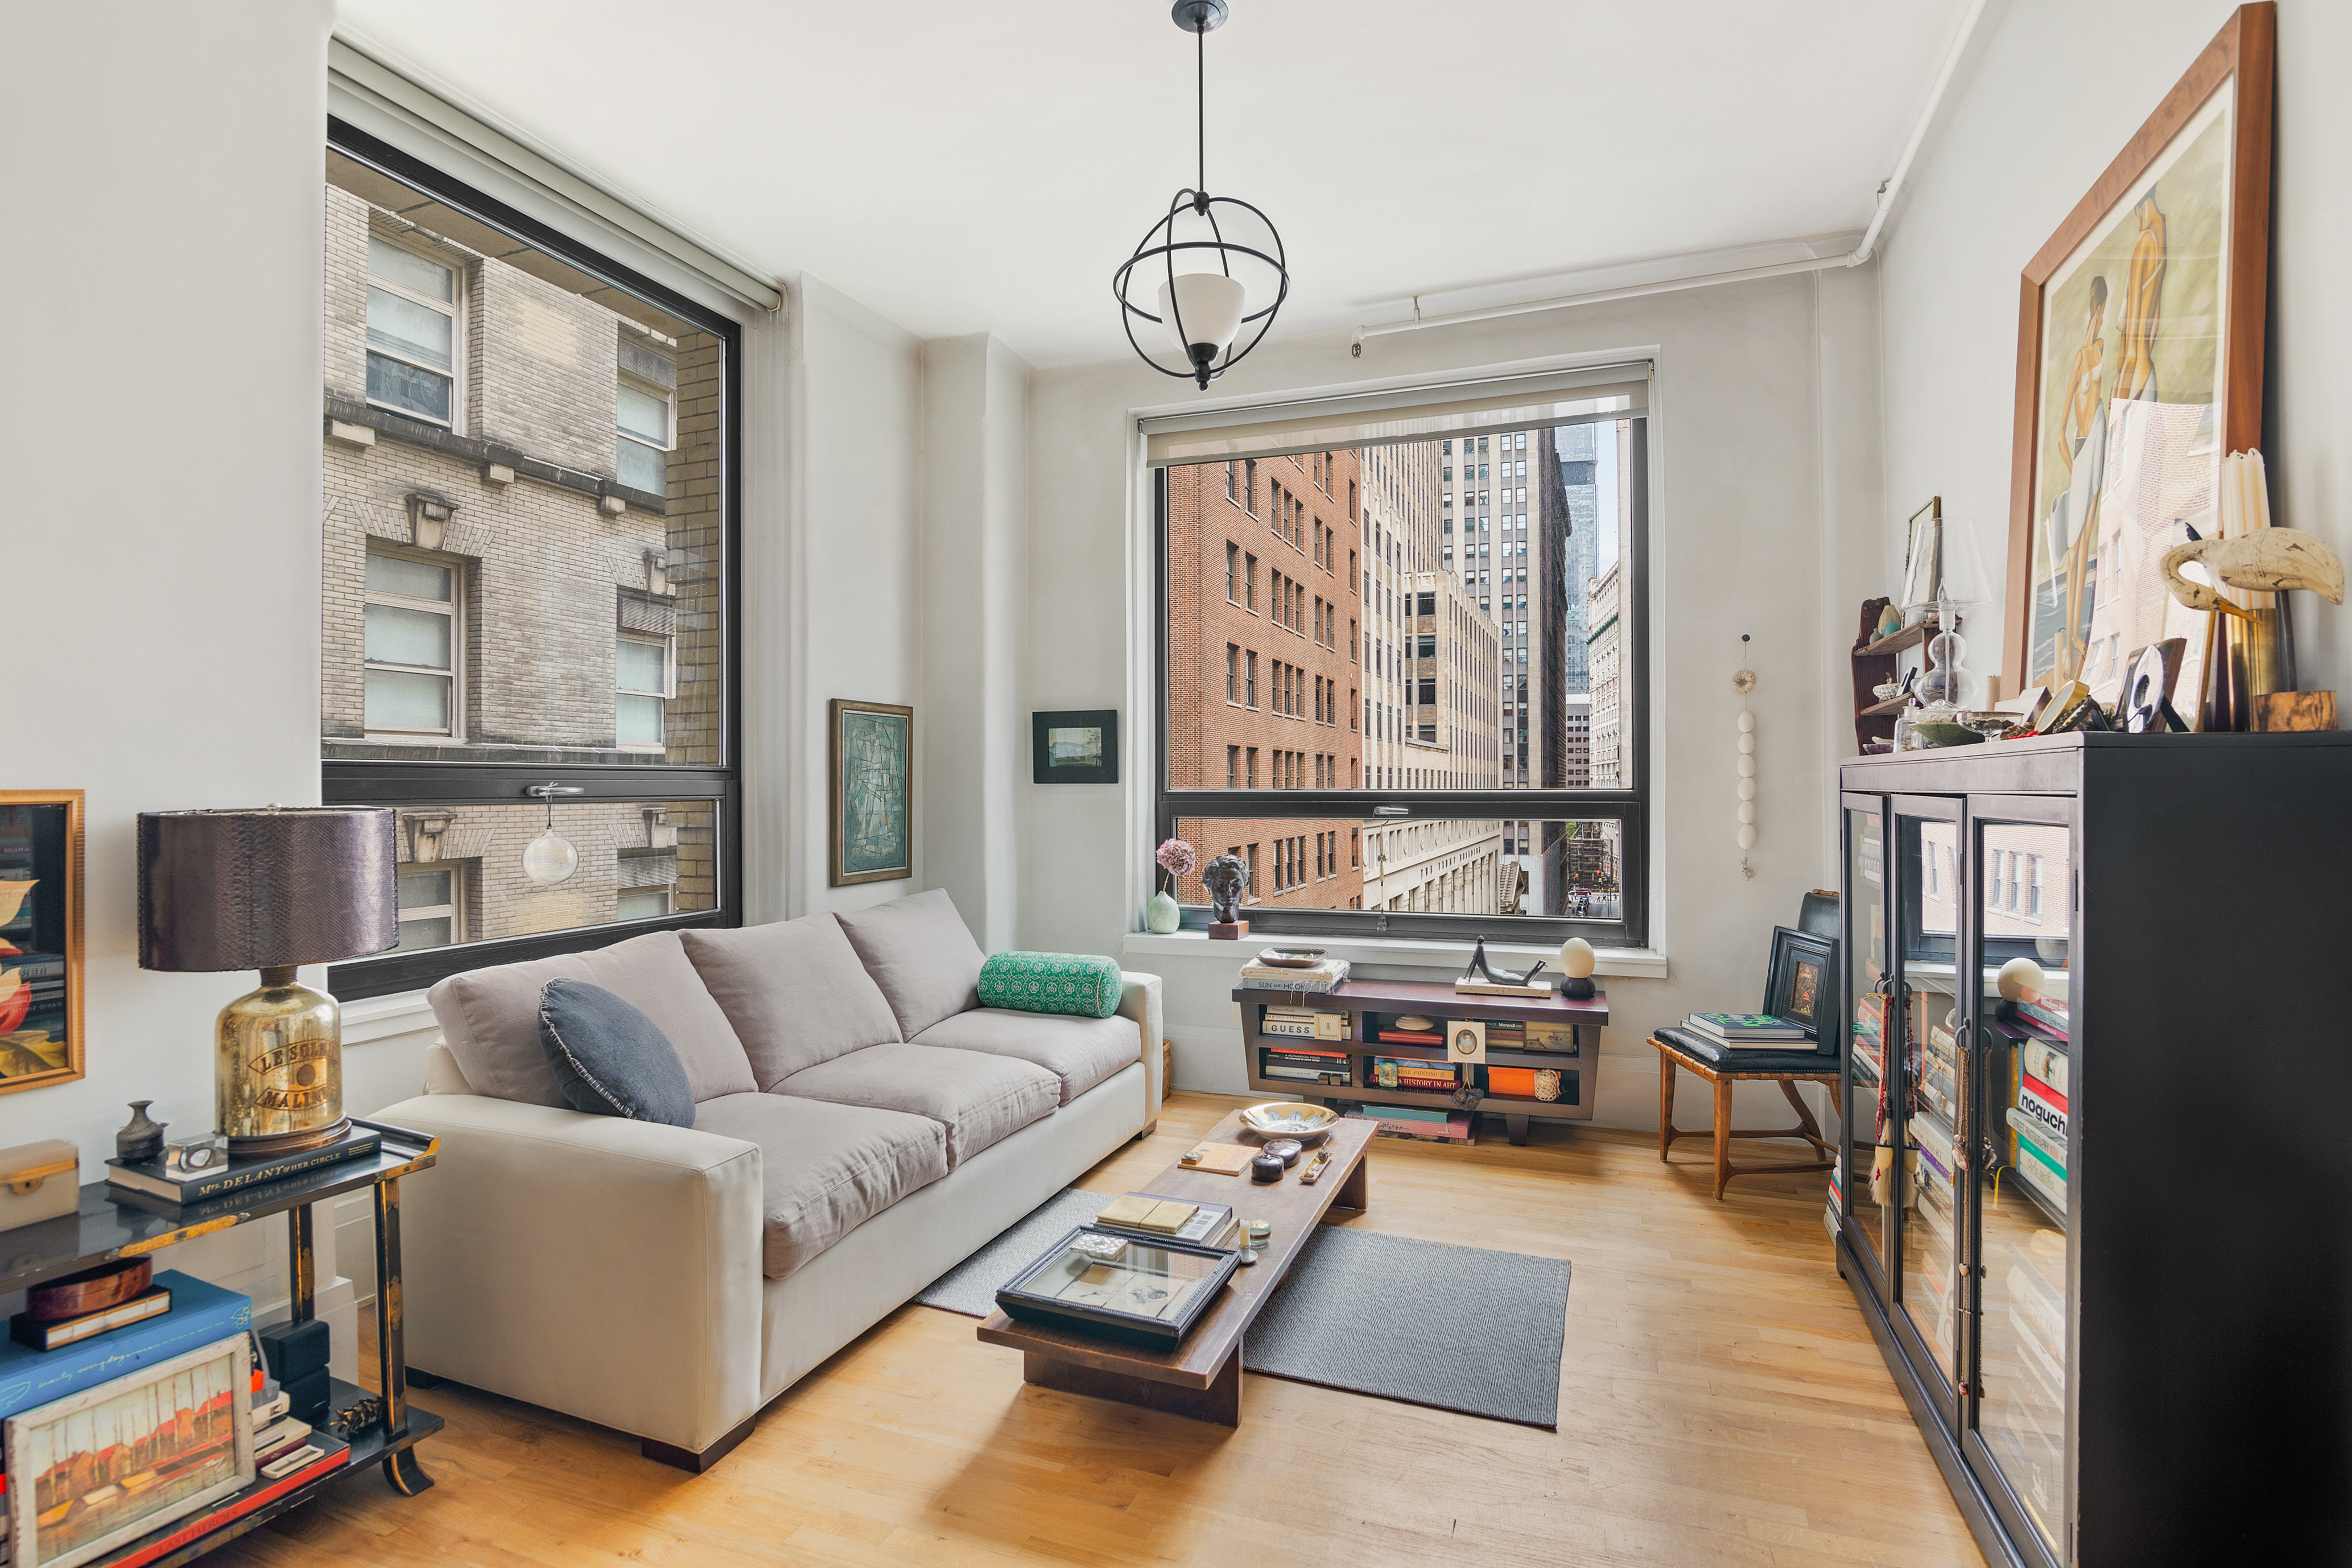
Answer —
1747 789
1746 766
1747 744
2021 980
1747 811
1747 838
1747 721
1576 960
549 858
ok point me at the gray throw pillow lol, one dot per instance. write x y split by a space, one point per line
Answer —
610 1059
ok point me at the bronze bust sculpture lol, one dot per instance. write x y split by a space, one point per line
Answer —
1224 877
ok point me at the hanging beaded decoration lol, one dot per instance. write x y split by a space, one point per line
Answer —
1744 683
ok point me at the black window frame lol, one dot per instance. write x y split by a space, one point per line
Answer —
1628 806
438 782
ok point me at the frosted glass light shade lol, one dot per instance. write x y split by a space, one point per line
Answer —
1211 305
549 858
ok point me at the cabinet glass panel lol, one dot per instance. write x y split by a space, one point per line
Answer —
1930 903
1865 1118
2024 887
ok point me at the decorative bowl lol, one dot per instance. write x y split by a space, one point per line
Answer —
1947 735
1417 1023
1292 957
1290 1119
1886 691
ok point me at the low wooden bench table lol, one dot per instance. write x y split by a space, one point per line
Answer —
1787 1069
1202 1378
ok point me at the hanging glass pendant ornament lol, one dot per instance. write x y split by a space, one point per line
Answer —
1209 259
549 858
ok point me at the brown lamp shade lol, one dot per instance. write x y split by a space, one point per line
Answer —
260 888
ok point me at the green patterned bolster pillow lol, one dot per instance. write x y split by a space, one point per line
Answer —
1081 982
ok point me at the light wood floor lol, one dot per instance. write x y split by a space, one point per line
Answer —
1720 1401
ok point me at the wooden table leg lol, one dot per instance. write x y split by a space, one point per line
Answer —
1806 1128
1220 1403
400 1470
1722 1136
1666 1102
1355 1192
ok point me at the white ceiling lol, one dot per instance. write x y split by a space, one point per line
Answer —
968 167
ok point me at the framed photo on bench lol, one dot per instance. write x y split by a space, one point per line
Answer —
1800 984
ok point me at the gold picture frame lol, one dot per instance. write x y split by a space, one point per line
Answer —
870 799
41 957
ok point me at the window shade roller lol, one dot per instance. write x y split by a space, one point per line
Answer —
1386 418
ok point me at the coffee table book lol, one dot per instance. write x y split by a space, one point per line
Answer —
1152 1294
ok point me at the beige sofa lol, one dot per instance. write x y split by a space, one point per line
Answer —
861 1126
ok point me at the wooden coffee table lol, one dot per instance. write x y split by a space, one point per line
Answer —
1202 1378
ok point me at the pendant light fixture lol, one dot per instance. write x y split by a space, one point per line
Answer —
1204 280
549 858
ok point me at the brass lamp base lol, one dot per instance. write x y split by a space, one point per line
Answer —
278 1069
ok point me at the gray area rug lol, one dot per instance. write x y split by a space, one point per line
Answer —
1457 1328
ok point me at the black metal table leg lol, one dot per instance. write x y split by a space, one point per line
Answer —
401 1469
301 1266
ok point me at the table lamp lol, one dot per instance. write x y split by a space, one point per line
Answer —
270 889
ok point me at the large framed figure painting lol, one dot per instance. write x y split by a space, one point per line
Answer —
873 792
2140 337
40 937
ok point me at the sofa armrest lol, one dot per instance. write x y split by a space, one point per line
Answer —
604 1268
1139 998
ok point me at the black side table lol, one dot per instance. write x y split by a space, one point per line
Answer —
113 1222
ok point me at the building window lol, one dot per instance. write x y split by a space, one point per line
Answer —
1251 776
412 332
1249 583
2034 886
1249 678
1233 672
641 677
1232 766
1233 571
481 636
645 440
413 631
429 915
1249 487
1229 481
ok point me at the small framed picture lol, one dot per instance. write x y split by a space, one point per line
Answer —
1079 747
41 937
1465 1040
872 796
107 1464
1801 984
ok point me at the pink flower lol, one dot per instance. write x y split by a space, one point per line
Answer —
1176 857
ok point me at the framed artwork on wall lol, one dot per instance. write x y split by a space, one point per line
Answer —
871 805
1077 747
40 937
2139 366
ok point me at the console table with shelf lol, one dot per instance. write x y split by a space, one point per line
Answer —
1368 1004
112 1223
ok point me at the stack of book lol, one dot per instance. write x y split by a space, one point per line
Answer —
1302 1022
200 1314
1297 1064
1411 1032
1148 1214
154 1179
1419 1076
2043 1015
1412 1122
2038 1119
1323 976
1507 1034
1749 1031
1869 1051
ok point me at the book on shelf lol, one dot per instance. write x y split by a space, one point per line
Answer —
201 1314
1541 988
1149 1213
1451 1127
1412 1038
149 1176
1324 976
1298 1055
333 1454
2040 1058
2049 1014
1745 1028
1297 1028
1325 1076
2053 1098
2046 1174
2049 1116
59 1332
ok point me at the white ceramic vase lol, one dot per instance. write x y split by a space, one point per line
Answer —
1161 916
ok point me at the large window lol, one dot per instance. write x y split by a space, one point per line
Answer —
528 623
1491 776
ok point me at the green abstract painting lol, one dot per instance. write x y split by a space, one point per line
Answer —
873 801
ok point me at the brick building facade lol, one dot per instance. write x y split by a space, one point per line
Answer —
521 528
1264 688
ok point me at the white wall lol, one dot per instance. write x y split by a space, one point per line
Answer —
2059 90
1764 487
161 544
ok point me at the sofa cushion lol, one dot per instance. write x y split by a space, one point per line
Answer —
1081 1052
608 1058
490 1018
919 953
794 992
1084 984
824 1170
978 1097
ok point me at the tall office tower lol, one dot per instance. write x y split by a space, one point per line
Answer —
1264 606
1578 464
1607 653
1400 542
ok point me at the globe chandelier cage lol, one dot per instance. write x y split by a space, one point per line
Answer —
1201 310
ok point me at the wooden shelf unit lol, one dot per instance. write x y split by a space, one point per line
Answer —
1876 661
1367 1002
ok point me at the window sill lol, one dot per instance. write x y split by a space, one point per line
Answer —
372 1018
1389 952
